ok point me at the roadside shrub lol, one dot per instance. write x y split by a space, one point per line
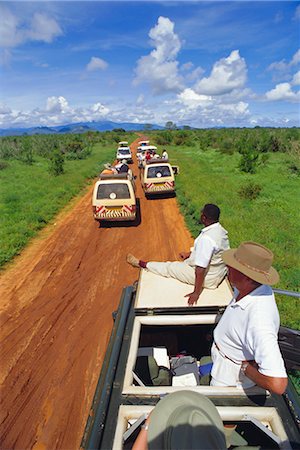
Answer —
56 166
249 160
250 191
27 150
164 137
294 169
264 159
226 147
3 165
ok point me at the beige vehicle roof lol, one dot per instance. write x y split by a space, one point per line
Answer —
118 179
155 291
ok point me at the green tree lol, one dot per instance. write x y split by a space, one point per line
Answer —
57 161
27 150
170 125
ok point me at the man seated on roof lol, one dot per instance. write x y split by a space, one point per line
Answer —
245 351
109 169
202 267
122 167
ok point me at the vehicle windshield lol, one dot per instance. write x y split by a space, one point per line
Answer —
124 151
158 171
113 191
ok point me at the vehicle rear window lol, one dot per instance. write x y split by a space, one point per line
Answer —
158 172
113 191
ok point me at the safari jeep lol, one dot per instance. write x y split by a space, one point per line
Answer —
143 145
154 315
124 152
114 198
157 177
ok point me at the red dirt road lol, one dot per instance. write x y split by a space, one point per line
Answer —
56 304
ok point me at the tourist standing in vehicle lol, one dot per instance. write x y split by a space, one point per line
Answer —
203 265
140 158
165 155
245 350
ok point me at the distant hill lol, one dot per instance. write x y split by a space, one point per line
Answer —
81 127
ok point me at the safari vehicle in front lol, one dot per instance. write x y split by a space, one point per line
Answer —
123 144
124 153
114 198
157 177
143 146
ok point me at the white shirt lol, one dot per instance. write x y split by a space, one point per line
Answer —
210 241
248 330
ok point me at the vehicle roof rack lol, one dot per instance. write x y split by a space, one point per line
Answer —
157 160
113 176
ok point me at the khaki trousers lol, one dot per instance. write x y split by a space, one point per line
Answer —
182 271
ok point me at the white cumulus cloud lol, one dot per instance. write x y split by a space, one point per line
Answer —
4 109
227 74
193 100
282 69
14 31
57 105
160 68
296 58
296 79
96 64
43 28
99 110
10 36
283 91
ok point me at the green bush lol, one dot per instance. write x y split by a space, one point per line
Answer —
294 168
250 191
56 166
3 165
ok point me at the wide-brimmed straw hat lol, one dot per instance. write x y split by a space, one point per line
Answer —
253 260
185 420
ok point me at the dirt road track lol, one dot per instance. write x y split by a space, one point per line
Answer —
56 304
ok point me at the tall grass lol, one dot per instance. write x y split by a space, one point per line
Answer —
272 219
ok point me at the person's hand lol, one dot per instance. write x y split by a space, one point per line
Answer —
184 255
192 298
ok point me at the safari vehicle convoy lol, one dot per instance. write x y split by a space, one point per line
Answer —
114 198
153 321
157 177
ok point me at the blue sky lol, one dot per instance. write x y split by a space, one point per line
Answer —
202 64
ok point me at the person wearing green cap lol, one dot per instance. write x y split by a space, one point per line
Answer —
182 420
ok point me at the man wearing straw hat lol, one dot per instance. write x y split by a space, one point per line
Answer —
245 350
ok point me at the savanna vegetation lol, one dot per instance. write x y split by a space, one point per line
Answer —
40 174
252 174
